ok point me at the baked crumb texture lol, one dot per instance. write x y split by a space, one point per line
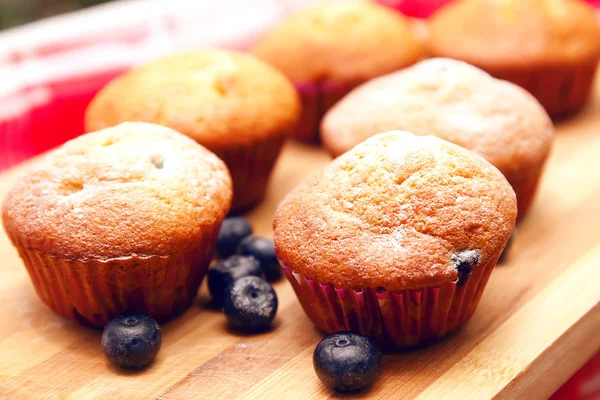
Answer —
344 43
328 49
123 219
395 239
393 213
459 103
230 102
550 47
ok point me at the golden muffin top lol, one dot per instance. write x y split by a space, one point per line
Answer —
218 98
347 42
511 33
395 212
452 100
135 189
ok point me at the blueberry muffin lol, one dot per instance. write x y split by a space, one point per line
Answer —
456 102
231 103
549 47
396 238
328 49
120 220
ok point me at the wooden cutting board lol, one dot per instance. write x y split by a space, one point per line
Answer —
537 323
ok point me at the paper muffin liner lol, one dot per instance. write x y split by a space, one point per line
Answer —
561 89
316 99
250 167
395 320
525 190
93 292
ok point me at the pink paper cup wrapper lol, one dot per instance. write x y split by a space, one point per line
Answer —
92 292
395 320
316 99
561 90
525 189
250 167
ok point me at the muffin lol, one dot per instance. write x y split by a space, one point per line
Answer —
120 220
549 47
458 103
328 49
231 103
395 239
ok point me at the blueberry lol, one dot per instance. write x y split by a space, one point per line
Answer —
233 230
226 271
506 250
131 340
347 362
250 304
264 250
464 261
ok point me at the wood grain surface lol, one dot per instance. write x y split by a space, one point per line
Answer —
537 323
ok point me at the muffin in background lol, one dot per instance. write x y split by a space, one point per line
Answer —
328 49
233 104
120 220
396 238
459 103
549 47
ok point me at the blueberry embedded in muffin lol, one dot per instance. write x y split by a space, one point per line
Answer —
395 223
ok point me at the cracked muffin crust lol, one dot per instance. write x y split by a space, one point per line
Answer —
120 220
396 212
456 102
230 102
136 189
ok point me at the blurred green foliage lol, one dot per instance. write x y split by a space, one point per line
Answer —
18 12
